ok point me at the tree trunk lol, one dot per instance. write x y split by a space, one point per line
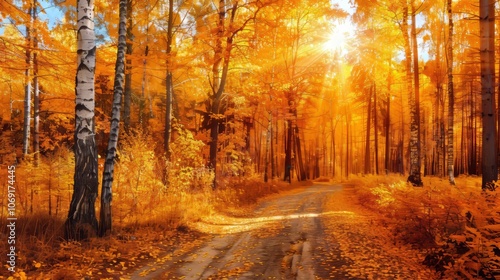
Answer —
288 151
221 56
299 159
348 146
107 180
268 140
27 85
489 151
368 128
82 222
169 81
128 73
36 90
375 122
451 96
271 131
388 127
415 176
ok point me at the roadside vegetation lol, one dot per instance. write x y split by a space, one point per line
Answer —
456 227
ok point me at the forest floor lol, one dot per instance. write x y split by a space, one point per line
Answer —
314 232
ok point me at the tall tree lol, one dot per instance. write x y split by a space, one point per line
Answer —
368 126
27 85
223 46
487 51
82 221
107 180
36 87
128 74
414 176
451 95
169 80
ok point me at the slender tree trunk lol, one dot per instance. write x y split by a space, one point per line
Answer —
348 147
169 80
416 82
463 152
107 180
451 96
368 129
388 129
288 151
128 73
27 85
271 132
268 140
489 151
375 123
298 149
82 222
36 90
415 161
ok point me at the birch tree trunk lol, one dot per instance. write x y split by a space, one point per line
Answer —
451 96
82 222
27 86
107 180
415 111
489 150
36 90
414 176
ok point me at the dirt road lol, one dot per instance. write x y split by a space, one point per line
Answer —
312 233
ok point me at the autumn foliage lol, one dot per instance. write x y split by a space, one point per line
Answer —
224 102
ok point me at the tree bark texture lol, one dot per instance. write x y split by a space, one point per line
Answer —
489 149
451 95
27 85
169 81
128 75
105 224
82 222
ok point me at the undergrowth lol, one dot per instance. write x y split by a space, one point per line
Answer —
457 226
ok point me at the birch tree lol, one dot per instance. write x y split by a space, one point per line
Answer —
107 180
36 87
82 222
415 137
27 85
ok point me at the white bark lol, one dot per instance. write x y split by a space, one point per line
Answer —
82 221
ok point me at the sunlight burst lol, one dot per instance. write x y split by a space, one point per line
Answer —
336 39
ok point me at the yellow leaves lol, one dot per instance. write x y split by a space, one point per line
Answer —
37 264
21 275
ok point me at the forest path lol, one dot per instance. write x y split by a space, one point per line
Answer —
315 232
